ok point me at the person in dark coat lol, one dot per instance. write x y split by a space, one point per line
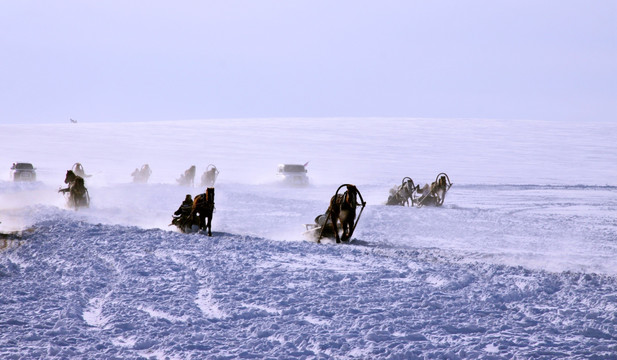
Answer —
183 213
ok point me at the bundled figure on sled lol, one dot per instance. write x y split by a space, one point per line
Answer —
182 218
410 194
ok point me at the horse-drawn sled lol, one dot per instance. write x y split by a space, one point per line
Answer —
409 194
182 218
208 178
78 195
192 214
343 210
141 176
187 178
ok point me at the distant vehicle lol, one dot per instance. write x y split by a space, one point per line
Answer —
23 172
294 174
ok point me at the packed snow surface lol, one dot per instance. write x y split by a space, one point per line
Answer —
521 261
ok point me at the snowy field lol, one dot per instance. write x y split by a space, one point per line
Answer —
520 262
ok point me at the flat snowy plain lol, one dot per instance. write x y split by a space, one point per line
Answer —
520 262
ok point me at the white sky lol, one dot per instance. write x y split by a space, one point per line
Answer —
162 60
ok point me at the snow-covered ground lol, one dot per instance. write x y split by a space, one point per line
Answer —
521 261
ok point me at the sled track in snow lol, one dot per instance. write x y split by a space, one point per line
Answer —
100 291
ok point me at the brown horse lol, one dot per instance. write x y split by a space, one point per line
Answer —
188 178
209 176
203 207
78 194
343 209
403 194
436 193
142 175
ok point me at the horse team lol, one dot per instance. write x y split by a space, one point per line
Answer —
413 195
207 179
196 214
192 214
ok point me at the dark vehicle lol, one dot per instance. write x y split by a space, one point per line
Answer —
23 172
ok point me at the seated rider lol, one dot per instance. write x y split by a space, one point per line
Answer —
184 211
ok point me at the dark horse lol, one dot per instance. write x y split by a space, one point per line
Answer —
343 209
203 207
78 194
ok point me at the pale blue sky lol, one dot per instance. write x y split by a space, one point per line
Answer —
99 61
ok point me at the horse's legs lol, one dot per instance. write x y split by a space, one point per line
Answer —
209 225
202 220
334 219
346 231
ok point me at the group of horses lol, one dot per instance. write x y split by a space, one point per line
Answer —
208 178
196 214
141 176
343 207
187 178
409 194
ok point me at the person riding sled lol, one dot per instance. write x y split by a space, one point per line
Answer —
182 216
